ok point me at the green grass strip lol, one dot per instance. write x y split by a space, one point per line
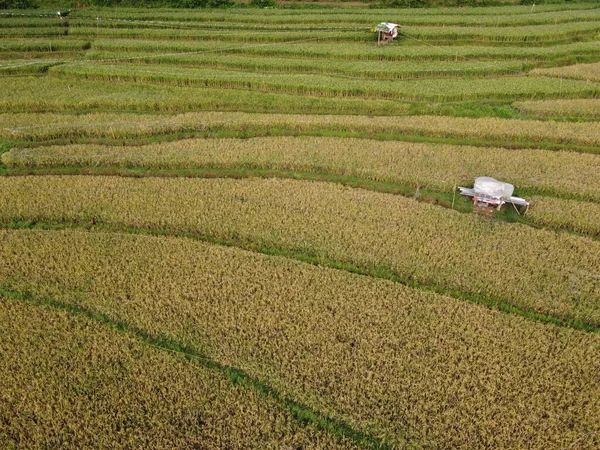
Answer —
304 414
380 271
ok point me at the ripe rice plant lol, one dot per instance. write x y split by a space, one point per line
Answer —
323 85
462 331
431 166
588 72
417 369
68 381
583 217
569 108
421 243
40 127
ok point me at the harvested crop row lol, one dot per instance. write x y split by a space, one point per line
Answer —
37 127
529 268
69 382
431 166
300 84
568 108
417 369
35 94
588 72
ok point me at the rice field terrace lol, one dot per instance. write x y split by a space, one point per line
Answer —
240 228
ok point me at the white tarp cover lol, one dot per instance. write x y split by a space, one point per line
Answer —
493 188
386 27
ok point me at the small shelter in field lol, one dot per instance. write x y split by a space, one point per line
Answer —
387 32
488 192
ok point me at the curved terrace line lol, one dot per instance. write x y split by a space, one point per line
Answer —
424 195
380 271
303 414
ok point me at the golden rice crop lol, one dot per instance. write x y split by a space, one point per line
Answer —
36 127
417 369
69 382
588 107
432 166
574 215
424 244
588 72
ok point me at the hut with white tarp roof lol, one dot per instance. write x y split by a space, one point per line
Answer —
489 192
387 32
